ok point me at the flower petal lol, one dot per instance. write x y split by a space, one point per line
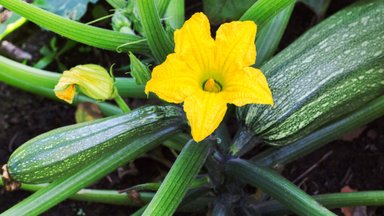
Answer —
65 90
205 111
235 46
173 80
193 42
247 86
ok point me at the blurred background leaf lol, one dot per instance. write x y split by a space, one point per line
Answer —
72 9
220 11
7 18
318 6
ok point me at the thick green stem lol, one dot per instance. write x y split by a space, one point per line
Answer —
121 103
162 6
154 186
100 196
158 40
178 179
114 197
277 187
90 35
331 201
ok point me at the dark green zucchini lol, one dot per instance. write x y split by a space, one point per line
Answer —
330 71
63 151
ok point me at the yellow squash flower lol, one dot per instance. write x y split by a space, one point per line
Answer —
207 74
92 80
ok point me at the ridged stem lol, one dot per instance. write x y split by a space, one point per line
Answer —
162 6
99 196
277 187
90 35
178 179
158 40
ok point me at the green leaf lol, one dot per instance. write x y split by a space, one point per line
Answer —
269 37
178 179
175 14
90 35
63 188
72 9
262 11
277 187
159 42
319 138
220 11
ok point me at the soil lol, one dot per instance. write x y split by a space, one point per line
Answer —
354 160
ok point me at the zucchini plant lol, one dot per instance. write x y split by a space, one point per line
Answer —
326 83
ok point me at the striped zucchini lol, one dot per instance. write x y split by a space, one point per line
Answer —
333 69
63 151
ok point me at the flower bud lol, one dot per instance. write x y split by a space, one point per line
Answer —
139 71
92 80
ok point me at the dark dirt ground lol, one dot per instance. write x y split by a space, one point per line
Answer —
355 160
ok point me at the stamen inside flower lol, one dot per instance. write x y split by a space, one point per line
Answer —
212 86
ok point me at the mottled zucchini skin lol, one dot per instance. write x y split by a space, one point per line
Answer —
62 151
333 69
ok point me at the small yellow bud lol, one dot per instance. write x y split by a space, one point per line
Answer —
92 80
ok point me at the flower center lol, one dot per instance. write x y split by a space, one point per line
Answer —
212 86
